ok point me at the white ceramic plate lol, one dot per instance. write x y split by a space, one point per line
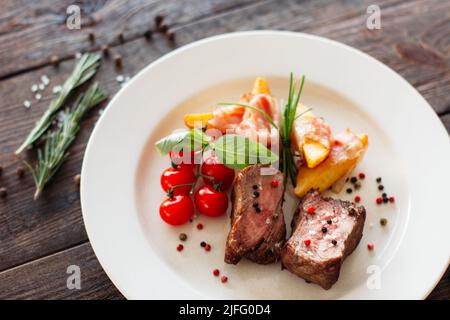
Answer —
409 148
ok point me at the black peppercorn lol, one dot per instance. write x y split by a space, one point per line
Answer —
118 60
258 210
20 171
324 230
385 200
256 194
54 60
255 187
329 221
255 205
357 185
379 179
349 190
384 195
148 34
163 28
171 36
353 179
77 179
121 37
158 20
203 244
334 242
91 36
105 50
383 221
380 187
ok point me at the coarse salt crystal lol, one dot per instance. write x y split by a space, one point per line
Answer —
312 232
371 225
56 89
268 221
38 96
120 78
45 80
78 55
41 86
27 104
34 88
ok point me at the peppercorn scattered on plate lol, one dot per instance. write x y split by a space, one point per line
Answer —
367 128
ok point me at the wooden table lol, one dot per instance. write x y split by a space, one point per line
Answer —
40 239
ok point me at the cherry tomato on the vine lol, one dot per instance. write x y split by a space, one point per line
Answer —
177 210
216 173
172 177
211 202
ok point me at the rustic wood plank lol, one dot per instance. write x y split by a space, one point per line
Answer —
46 278
36 229
23 31
446 121
442 290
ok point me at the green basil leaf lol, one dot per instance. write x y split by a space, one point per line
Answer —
238 152
190 139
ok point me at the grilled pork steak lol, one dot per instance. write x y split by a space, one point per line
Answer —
325 232
258 229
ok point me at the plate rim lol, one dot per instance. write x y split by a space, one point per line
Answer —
180 50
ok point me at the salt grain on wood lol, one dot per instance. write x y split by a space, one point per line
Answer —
45 80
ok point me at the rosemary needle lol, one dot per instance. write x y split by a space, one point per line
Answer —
54 152
84 70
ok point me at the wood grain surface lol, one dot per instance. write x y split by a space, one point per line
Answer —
40 239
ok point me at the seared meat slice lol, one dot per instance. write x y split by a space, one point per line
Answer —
258 229
324 232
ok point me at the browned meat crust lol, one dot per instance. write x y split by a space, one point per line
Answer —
255 235
334 231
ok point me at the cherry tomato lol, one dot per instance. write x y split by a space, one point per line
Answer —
219 173
177 211
211 202
180 160
172 177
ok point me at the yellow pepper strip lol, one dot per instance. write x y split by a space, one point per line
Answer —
197 120
261 85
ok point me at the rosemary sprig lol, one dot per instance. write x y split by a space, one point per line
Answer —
289 116
55 150
84 70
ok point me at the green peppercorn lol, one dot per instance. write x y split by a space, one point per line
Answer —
183 236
